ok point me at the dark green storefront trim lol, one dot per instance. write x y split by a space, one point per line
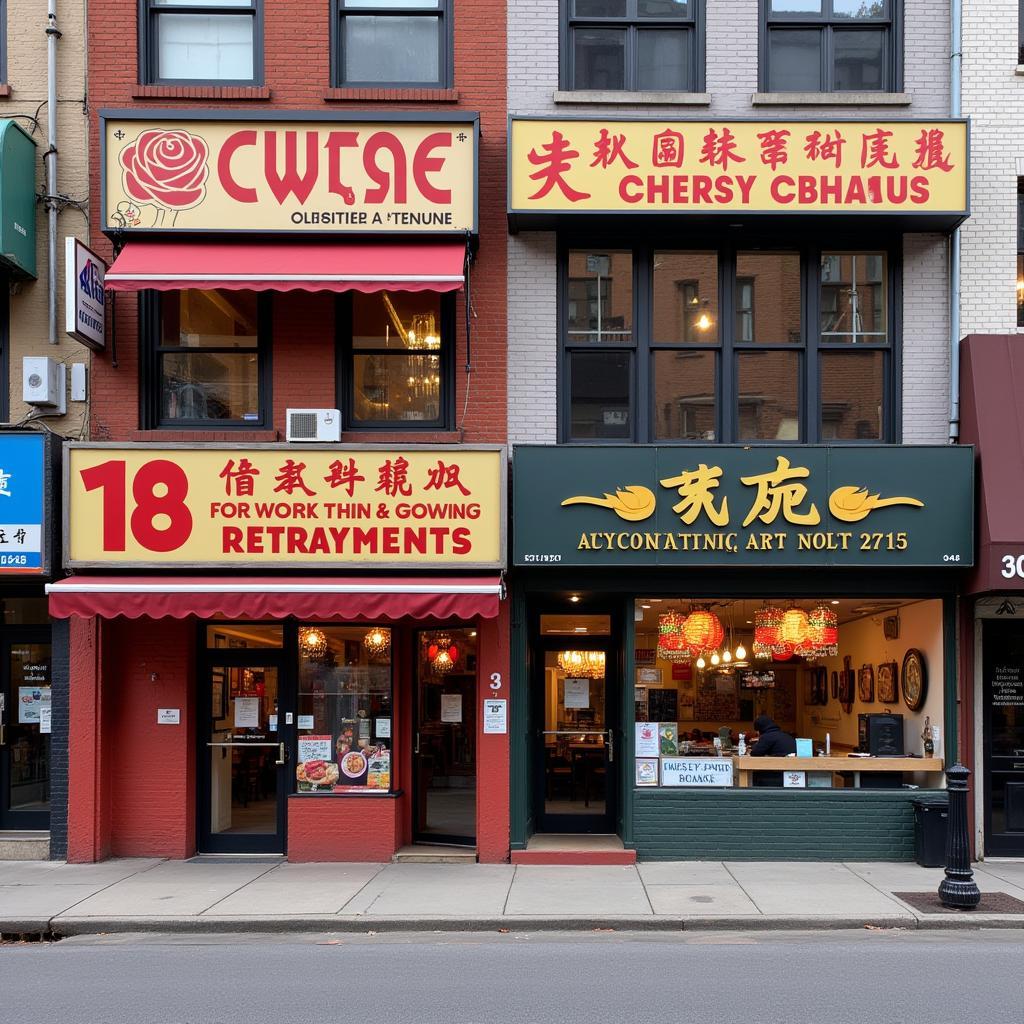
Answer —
760 824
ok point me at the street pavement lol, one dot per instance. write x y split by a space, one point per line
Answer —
257 895
864 977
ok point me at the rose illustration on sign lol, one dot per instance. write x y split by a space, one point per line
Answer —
168 168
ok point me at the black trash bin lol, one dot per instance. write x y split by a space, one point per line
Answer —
931 822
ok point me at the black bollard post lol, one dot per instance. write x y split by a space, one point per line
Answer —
958 889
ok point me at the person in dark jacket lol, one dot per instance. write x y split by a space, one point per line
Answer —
771 742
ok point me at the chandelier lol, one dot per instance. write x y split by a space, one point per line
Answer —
377 642
313 642
582 664
442 654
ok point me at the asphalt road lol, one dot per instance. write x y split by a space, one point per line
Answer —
711 978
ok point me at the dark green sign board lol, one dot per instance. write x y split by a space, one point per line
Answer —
17 199
735 506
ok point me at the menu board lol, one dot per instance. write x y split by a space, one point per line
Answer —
717 698
1007 684
662 705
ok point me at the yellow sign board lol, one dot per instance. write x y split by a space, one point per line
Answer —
591 166
326 175
274 506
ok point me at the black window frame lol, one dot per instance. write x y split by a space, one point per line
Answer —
443 13
568 22
149 49
345 374
642 345
829 25
150 377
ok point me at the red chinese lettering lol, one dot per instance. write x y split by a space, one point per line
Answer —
382 179
393 478
242 479
444 476
289 478
668 149
825 146
608 149
552 164
344 474
931 153
291 182
874 150
773 147
719 148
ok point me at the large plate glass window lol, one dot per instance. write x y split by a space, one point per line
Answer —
392 42
207 361
632 44
396 356
831 45
202 41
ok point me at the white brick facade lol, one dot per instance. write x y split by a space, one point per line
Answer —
993 97
731 81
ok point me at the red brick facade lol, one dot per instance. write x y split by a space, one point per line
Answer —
123 670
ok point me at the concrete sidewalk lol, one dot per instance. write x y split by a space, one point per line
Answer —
239 895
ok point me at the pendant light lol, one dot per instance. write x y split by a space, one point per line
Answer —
703 630
442 654
377 642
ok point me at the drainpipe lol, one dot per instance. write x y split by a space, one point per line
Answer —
52 35
955 77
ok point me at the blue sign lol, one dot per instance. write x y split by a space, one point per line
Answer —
22 503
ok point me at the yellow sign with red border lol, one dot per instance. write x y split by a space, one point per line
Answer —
274 506
624 166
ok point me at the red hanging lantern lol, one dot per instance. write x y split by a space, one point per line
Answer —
442 653
795 627
703 631
824 631
672 644
767 625
783 652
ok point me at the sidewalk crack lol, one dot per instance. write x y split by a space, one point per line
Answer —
217 903
739 884
508 892
643 885
341 909
104 888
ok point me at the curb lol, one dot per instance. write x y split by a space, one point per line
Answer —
67 926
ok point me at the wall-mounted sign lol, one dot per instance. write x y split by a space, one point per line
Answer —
700 772
560 165
300 172
84 308
17 199
23 503
285 506
495 716
735 506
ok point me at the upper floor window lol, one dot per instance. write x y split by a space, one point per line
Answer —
663 345
205 359
392 42
635 45
830 46
395 360
184 41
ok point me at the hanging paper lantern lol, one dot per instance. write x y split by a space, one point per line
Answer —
824 631
761 651
442 654
672 644
767 625
783 652
795 627
703 631
671 624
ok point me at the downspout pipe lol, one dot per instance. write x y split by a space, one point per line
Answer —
52 35
955 82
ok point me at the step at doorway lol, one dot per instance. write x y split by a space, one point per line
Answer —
561 848
429 853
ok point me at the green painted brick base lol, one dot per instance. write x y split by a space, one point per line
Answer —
761 824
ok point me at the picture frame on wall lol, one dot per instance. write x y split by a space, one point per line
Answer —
888 682
914 679
835 685
846 685
866 684
219 698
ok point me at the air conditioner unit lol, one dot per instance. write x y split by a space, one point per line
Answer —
313 425
44 382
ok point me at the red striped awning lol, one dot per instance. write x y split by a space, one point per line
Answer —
178 597
288 266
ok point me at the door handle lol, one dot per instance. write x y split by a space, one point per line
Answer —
416 746
611 746
3 735
282 754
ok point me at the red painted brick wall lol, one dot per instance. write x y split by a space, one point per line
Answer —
357 828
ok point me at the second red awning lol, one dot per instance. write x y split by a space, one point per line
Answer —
289 266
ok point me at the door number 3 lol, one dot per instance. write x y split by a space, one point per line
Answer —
495 680
1013 567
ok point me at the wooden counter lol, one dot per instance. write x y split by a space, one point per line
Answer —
745 766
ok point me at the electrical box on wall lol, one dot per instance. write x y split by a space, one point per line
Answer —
313 425
44 383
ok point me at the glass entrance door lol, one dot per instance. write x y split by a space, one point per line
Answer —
576 745
243 761
444 743
1003 696
25 731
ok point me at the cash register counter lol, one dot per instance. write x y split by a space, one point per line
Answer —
744 767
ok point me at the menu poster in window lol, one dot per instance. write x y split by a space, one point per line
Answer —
30 703
646 739
353 765
382 727
247 712
646 771
378 771
451 707
668 738
663 705
313 748
577 693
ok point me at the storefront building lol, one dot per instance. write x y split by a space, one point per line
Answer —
286 541
722 286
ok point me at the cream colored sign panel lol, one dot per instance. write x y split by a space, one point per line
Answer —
756 166
340 176
285 507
